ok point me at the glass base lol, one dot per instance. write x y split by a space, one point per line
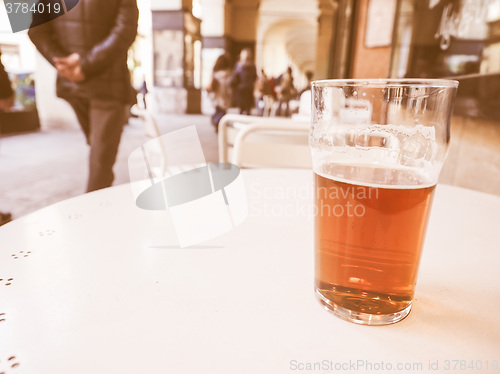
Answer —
362 318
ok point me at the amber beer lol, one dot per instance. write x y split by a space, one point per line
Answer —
377 146
368 241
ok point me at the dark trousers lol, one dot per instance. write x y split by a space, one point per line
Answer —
102 123
217 116
279 110
245 100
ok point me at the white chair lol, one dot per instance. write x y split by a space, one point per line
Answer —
229 126
232 124
273 143
155 152
305 104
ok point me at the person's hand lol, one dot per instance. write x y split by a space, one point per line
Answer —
69 67
69 61
76 74
7 103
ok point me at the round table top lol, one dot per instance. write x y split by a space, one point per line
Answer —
95 285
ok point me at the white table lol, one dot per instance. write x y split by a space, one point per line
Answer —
98 286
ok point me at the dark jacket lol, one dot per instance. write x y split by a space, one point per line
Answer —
244 76
242 83
101 32
5 87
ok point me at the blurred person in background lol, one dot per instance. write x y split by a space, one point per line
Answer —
7 99
309 77
285 91
143 90
243 81
263 94
219 88
88 46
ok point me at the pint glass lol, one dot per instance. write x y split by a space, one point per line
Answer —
377 148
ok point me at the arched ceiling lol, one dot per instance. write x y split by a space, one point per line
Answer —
301 45
294 39
287 31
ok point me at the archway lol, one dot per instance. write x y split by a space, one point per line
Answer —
287 38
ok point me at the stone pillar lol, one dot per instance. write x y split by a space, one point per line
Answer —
326 26
213 32
213 24
241 25
177 58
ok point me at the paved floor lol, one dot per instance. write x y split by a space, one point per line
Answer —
38 169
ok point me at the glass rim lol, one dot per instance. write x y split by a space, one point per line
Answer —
386 82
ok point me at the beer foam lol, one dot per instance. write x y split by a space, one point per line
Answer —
375 176
413 153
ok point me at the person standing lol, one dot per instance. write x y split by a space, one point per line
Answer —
219 88
309 77
286 91
6 94
144 91
88 46
7 98
263 94
243 81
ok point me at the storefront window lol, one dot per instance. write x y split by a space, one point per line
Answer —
169 51
441 38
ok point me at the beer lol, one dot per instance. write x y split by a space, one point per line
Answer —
369 237
377 146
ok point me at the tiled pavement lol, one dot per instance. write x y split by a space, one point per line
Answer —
40 168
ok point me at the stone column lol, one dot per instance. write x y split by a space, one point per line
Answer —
213 24
326 26
172 26
214 34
